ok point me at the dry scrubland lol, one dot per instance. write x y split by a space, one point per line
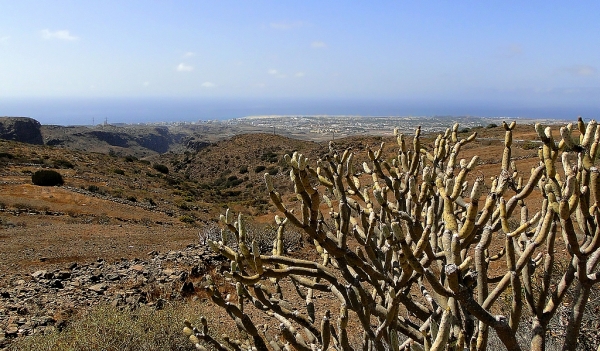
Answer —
115 206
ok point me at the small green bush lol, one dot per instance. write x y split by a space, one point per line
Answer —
93 188
47 177
529 145
187 219
259 169
184 206
161 168
269 156
243 169
119 171
63 164
491 125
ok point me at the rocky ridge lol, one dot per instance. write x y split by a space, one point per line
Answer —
22 129
43 301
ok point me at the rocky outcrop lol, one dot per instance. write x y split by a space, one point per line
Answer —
139 140
196 145
111 138
40 302
23 129
159 140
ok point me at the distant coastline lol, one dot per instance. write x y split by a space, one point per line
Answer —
80 111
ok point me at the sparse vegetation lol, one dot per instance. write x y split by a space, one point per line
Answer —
46 177
161 168
6 155
269 156
187 219
189 196
60 163
406 261
112 329
529 145
272 170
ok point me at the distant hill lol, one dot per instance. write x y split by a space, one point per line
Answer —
23 129
139 141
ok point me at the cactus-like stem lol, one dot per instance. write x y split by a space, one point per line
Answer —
414 230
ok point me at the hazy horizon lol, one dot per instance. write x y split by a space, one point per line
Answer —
88 111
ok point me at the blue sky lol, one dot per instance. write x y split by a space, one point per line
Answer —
541 53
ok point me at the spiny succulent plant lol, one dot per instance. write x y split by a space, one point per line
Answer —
406 257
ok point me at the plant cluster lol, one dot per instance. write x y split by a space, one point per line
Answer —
407 258
46 177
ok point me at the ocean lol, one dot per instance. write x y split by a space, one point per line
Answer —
62 111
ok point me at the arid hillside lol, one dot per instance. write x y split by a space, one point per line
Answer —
116 211
107 196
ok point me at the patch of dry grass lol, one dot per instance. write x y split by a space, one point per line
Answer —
112 329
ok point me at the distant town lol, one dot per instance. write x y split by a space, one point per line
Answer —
331 127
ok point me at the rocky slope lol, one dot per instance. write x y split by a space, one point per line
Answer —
44 300
138 141
23 129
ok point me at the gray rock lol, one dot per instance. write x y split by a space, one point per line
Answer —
98 288
11 331
62 275
39 274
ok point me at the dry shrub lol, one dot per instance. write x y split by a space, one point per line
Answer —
264 235
109 328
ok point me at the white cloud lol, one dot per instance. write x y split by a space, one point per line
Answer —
146 84
285 25
318 44
276 73
59 34
182 67
300 74
208 85
580 70
4 39
189 54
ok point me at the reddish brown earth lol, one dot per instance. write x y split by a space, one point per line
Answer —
46 225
